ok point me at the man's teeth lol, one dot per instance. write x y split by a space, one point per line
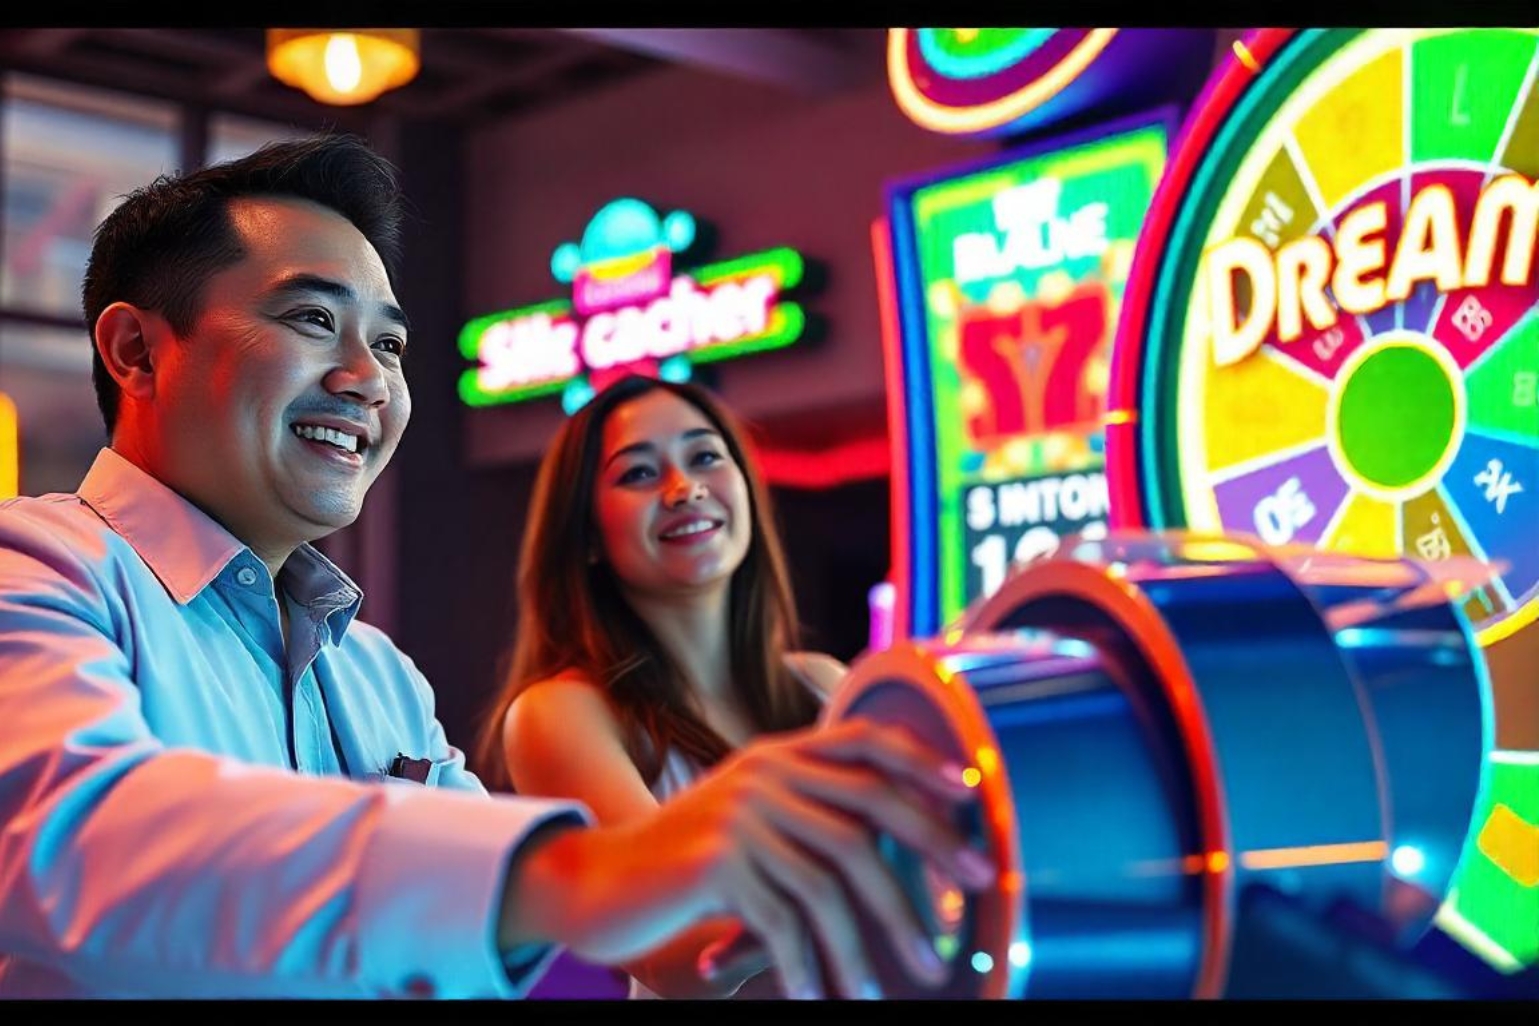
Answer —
341 439
697 527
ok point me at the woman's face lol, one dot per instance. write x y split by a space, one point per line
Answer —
670 503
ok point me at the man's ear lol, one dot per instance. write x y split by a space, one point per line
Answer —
126 338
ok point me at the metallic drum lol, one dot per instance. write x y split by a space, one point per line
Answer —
1160 721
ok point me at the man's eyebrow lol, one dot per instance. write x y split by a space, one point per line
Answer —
639 447
315 284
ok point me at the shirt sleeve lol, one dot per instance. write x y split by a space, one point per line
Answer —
133 868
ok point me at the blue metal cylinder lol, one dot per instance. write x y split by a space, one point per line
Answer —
1161 722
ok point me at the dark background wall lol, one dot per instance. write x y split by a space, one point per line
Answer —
489 211
766 167
457 527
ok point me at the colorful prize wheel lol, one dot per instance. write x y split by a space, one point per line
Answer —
1330 337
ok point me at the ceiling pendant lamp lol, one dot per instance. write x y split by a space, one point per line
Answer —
343 67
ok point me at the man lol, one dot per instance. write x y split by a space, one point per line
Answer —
215 781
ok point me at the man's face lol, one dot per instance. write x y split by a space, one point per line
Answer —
288 398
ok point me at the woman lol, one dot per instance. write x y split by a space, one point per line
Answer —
656 625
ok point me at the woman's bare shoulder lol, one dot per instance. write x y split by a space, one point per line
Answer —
560 698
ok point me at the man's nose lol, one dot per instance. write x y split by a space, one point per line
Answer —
358 374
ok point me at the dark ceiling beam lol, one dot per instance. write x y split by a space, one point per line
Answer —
110 73
239 80
777 57
229 68
521 75
40 43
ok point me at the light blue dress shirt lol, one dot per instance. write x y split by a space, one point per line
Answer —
175 818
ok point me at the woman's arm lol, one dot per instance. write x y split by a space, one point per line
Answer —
561 737
782 835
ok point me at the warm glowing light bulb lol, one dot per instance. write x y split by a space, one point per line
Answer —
344 66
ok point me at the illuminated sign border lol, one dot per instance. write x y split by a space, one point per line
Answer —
919 567
10 448
998 82
938 97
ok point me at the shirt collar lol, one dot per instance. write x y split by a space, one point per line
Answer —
186 549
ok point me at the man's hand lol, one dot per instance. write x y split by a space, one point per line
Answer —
781 836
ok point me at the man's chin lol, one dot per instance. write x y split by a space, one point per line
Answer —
331 522
323 518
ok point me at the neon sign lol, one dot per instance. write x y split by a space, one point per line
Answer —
992 82
986 81
632 311
1374 260
1005 290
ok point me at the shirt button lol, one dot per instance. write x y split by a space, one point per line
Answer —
246 576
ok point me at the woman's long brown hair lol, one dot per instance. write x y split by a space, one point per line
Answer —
573 617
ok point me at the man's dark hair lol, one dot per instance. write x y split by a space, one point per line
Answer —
161 245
